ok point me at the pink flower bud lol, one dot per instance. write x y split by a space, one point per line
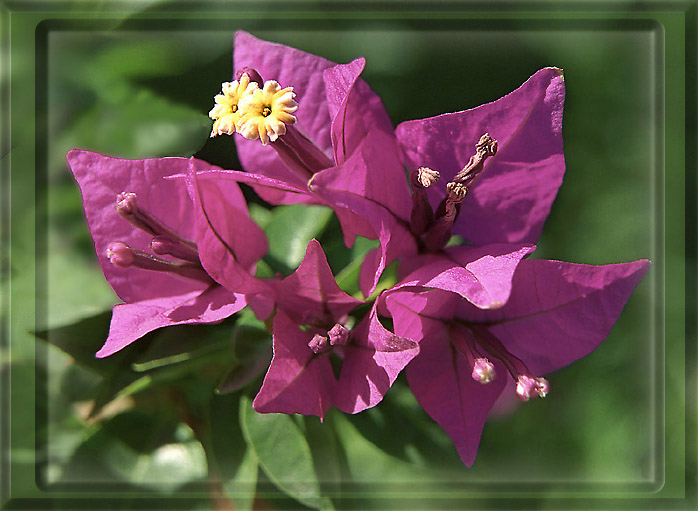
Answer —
126 203
525 385
120 254
338 335
483 371
319 344
542 387
252 73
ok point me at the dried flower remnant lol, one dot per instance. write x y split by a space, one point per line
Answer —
518 164
488 174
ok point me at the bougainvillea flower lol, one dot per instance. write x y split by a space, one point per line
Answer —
359 214
557 313
319 135
520 136
336 108
144 228
300 378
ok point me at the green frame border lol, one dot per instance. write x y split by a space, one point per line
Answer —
20 31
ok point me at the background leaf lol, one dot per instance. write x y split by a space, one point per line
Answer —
290 229
283 454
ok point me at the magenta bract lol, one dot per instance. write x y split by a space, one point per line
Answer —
157 298
557 313
300 378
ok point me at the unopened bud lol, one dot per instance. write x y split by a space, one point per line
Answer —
525 386
252 74
126 203
483 371
338 335
163 245
542 387
319 344
120 254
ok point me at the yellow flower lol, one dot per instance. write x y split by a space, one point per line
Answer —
264 113
226 112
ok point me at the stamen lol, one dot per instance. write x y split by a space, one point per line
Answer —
319 344
422 215
162 245
266 111
447 212
123 256
456 192
542 387
127 207
338 335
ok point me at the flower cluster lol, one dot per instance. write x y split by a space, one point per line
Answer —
457 200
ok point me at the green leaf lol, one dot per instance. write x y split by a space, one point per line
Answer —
241 488
138 125
283 454
368 463
252 349
348 277
185 343
83 339
76 289
164 469
289 230
149 450
326 454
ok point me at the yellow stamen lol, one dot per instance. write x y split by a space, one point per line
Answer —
226 111
264 113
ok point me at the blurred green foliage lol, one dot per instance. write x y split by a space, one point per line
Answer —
172 412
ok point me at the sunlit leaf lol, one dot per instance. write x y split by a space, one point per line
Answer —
289 230
283 454
141 125
241 488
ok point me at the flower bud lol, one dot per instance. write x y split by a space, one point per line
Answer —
483 370
542 387
525 386
120 254
252 74
338 335
319 344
